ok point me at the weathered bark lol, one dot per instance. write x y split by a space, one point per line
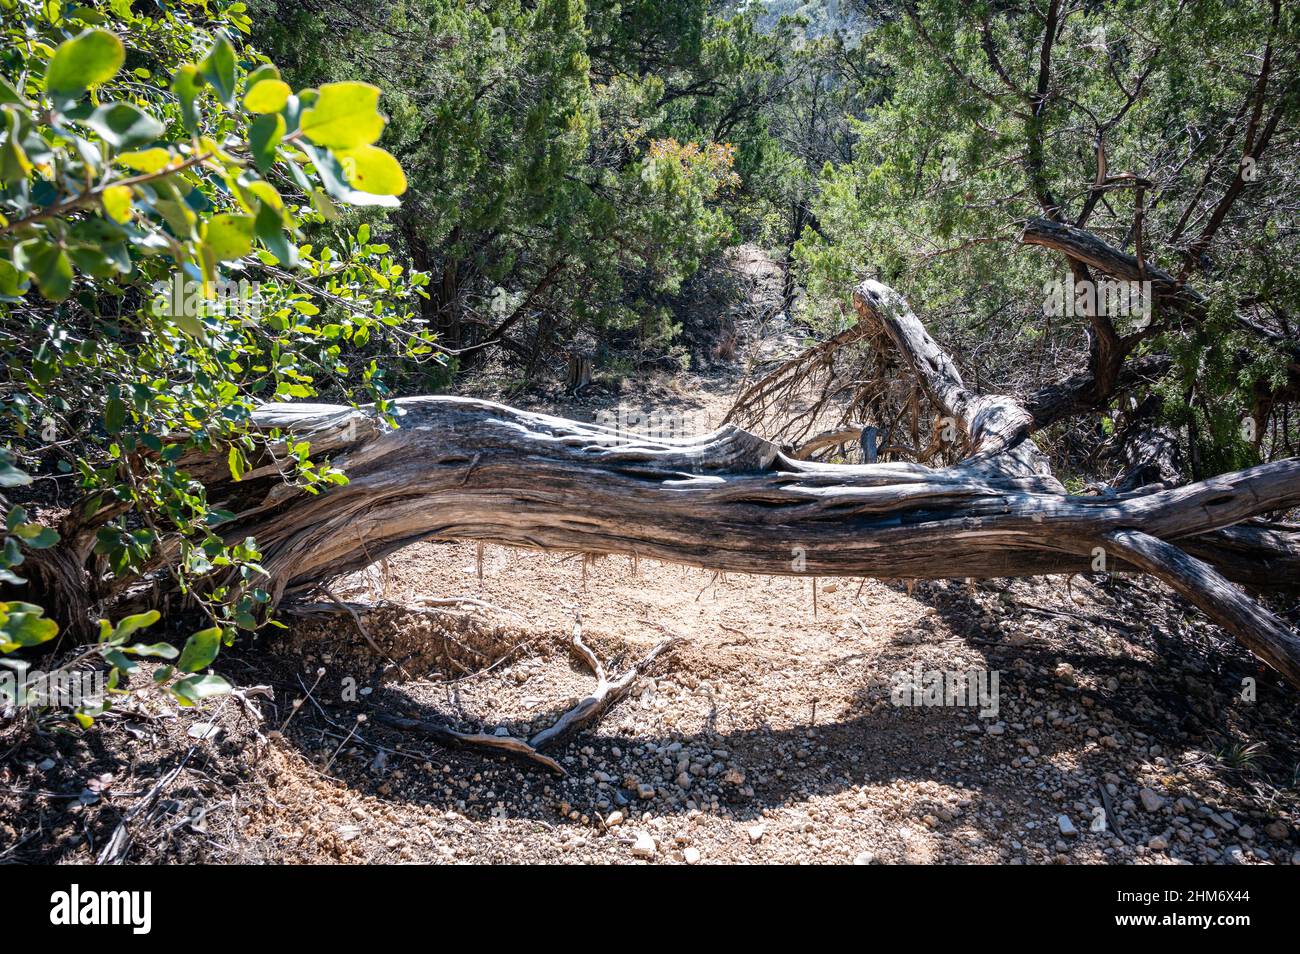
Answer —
1083 246
1258 629
997 427
466 469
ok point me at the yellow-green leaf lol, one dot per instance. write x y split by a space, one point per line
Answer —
117 202
345 116
230 236
146 160
87 60
371 169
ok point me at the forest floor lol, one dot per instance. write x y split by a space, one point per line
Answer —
1123 730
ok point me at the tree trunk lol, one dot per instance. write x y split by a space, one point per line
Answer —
459 468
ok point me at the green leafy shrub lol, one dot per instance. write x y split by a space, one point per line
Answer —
158 180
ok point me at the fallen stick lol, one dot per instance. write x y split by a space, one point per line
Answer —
463 601
608 693
448 736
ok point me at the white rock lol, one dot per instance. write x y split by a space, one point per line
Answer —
865 858
644 846
756 834
614 819
691 856
204 730
1067 827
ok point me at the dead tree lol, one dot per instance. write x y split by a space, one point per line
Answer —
459 468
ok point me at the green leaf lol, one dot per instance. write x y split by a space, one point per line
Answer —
11 476
235 459
345 116
200 649
218 68
13 283
267 71
194 689
267 96
373 170
230 236
9 94
270 229
264 134
14 164
114 415
37 537
87 60
117 660
156 650
124 126
48 264
19 629
187 85
132 624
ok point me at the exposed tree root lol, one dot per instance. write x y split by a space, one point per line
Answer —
447 736
607 694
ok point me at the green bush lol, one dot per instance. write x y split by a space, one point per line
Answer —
157 181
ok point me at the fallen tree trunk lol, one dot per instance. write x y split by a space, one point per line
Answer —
466 469
459 468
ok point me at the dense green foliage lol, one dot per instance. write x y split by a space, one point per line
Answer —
570 163
150 162
1134 121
